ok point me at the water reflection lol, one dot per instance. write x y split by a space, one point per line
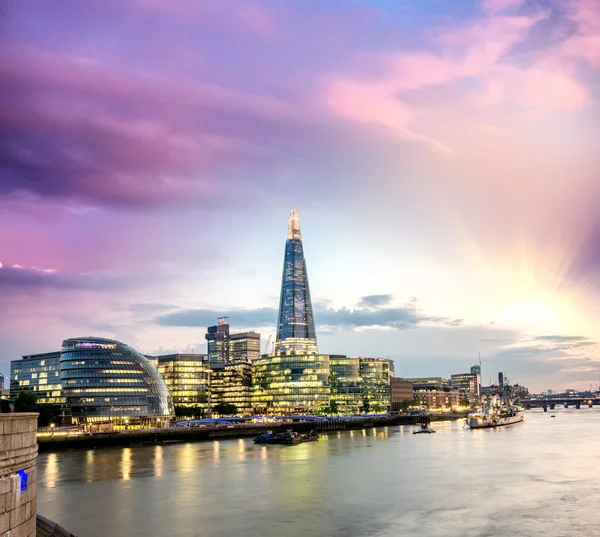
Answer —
158 461
126 464
51 469
513 481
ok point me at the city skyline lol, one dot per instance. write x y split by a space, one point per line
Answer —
443 159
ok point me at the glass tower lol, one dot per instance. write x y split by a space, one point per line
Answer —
296 328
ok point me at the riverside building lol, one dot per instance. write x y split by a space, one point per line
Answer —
468 386
40 374
346 384
375 374
106 381
232 383
187 377
401 393
295 378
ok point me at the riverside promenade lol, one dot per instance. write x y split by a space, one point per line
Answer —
61 440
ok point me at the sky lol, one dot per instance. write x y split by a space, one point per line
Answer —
442 156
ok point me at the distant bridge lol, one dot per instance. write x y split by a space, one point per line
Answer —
552 403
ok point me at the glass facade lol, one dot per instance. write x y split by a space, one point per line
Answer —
244 347
187 378
232 384
467 385
39 373
290 383
296 328
105 380
217 342
346 384
375 374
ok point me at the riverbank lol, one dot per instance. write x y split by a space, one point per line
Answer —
199 434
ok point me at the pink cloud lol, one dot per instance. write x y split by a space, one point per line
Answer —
585 43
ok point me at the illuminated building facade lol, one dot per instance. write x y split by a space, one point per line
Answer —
217 341
375 375
295 378
39 373
290 383
187 377
435 397
232 383
346 384
468 386
296 328
107 381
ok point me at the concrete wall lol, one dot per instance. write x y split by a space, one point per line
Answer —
18 474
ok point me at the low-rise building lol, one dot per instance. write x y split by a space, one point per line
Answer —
401 392
436 398
40 374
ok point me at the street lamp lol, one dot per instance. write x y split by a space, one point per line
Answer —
52 425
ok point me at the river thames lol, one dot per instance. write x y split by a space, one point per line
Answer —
540 477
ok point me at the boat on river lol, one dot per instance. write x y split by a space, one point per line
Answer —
495 415
425 429
288 437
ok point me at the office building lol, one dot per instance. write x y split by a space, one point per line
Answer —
40 374
232 384
187 377
1 381
401 393
476 369
346 384
296 326
468 386
106 381
295 378
375 375
436 397
217 340
224 347
244 347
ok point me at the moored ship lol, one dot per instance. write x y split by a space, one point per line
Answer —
495 415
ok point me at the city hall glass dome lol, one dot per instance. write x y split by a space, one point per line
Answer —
106 380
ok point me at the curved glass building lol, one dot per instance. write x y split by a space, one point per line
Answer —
107 381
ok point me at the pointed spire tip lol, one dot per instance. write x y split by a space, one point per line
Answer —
294 225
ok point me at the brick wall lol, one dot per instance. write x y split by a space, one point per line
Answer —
18 474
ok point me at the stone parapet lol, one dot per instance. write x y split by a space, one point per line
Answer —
18 474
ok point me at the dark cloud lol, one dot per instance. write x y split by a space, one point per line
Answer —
204 317
375 301
28 278
399 318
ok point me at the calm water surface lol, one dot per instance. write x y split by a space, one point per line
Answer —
541 477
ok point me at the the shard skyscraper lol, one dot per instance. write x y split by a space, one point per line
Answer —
296 328
295 378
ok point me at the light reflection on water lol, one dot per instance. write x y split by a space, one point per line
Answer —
537 478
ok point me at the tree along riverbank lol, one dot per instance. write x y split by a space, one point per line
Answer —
61 441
